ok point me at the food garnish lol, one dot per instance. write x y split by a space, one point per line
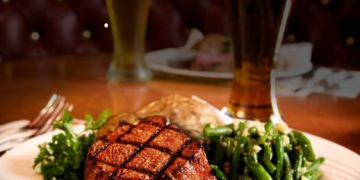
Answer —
63 158
252 150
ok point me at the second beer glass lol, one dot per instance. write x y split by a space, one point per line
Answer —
257 28
128 21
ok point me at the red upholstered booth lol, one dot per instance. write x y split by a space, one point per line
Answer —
41 28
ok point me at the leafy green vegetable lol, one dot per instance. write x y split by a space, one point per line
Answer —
63 158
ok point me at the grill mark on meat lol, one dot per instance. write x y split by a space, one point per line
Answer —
127 132
123 122
113 174
167 148
141 147
172 159
118 132
118 153
93 151
188 160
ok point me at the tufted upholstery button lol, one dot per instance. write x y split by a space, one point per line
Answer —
106 25
34 36
291 38
350 41
325 2
86 34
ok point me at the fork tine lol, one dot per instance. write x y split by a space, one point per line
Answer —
44 111
69 107
43 122
47 124
52 109
47 114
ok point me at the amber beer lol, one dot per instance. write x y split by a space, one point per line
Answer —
128 21
257 28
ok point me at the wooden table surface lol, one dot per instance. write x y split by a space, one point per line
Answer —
25 87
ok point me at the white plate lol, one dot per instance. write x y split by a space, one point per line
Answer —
340 163
298 56
158 61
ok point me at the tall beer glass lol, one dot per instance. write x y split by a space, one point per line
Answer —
128 21
257 28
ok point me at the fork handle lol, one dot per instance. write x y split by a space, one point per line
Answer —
18 124
24 134
9 145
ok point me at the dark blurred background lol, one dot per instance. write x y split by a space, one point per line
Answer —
43 28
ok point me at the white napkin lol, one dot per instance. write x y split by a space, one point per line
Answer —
324 80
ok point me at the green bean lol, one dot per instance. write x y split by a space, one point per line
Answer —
293 140
239 149
268 153
269 166
279 151
268 128
229 146
210 132
245 175
248 145
274 133
207 148
313 172
309 176
317 174
249 149
253 158
219 151
289 147
288 172
241 128
305 146
298 165
305 163
316 164
258 170
253 132
218 173
231 126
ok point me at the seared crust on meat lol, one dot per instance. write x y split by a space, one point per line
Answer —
152 149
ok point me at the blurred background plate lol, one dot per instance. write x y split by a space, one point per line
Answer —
294 60
160 61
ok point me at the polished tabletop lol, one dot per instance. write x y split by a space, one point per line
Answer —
26 85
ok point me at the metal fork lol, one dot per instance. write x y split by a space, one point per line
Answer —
40 125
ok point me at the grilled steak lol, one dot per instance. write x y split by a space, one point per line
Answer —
152 149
